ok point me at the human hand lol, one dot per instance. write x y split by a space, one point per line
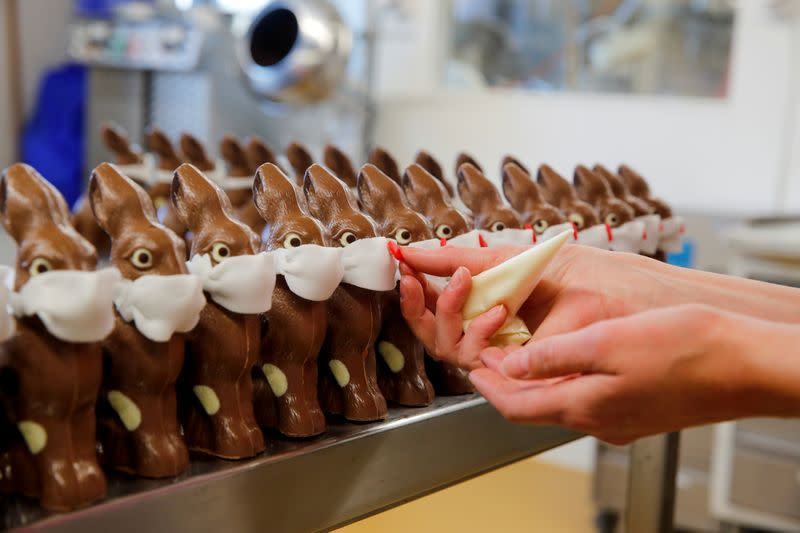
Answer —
648 373
582 285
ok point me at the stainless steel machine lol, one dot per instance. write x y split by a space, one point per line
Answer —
291 70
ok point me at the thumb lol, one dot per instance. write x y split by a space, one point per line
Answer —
579 352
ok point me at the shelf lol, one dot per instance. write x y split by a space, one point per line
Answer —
350 472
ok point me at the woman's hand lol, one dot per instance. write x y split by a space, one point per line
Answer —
648 373
581 286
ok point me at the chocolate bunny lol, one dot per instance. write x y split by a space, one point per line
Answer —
427 196
300 159
221 350
355 314
594 190
382 159
525 197
256 153
339 163
511 159
295 327
167 160
620 190
483 200
429 163
116 140
55 382
559 192
401 369
138 426
639 188
463 158
239 167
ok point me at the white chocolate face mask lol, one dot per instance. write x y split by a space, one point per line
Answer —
160 306
555 231
651 233
142 172
241 284
671 238
596 237
312 272
369 265
628 237
510 236
467 240
74 305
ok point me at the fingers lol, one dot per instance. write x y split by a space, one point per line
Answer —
445 261
581 352
521 401
478 334
418 317
430 290
449 322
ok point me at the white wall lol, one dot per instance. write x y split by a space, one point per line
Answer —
702 154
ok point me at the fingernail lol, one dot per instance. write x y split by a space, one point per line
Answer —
497 310
394 249
511 365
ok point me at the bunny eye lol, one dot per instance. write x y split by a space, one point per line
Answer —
498 226
220 252
577 219
40 265
540 226
612 220
292 240
444 231
348 237
402 236
142 258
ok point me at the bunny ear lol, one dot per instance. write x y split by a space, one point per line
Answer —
111 194
232 152
554 187
377 192
589 186
475 190
340 164
613 181
116 140
275 195
463 158
195 153
300 159
325 193
197 200
159 143
26 201
637 185
511 159
423 191
258 153
385 162
518 187
429 163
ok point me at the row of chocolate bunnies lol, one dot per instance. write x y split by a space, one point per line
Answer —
140 363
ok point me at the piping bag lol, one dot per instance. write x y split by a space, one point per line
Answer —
510 284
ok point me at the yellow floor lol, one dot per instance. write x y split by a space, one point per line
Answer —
526 496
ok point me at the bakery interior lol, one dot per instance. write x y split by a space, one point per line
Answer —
702 97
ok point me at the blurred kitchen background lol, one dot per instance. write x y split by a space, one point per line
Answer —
701 96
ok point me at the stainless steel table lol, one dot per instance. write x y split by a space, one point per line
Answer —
351 472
